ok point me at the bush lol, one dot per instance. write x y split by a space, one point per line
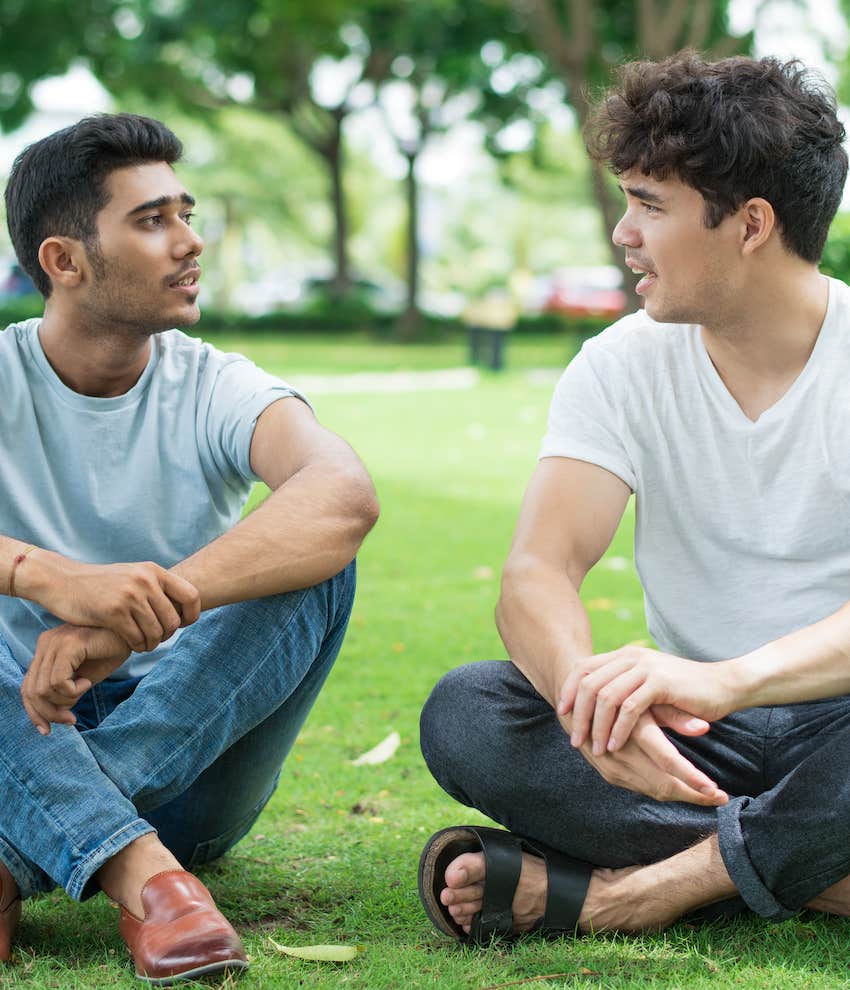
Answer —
20 308
836 253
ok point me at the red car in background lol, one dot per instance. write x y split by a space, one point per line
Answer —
585 292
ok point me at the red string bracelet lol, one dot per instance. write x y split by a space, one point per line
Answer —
18 560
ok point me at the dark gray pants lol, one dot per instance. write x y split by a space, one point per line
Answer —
494 744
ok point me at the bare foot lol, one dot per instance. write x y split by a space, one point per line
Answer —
833 900
633 899
464 890
122 877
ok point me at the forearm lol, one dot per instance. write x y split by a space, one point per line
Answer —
543 623
805 665
302 534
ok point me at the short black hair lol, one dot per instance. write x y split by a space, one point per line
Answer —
732 129
58 185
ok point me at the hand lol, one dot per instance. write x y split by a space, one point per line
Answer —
650 764
68 660
142 603
608 693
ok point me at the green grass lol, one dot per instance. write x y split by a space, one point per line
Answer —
333 858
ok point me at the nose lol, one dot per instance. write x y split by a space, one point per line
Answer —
190 243
626 233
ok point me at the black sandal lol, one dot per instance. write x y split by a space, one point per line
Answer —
568 880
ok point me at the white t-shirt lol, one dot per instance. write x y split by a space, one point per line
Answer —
742 528
153 474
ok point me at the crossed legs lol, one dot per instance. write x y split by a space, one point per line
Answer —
772 845
193 750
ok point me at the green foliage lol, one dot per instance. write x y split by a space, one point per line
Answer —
20 308
836 253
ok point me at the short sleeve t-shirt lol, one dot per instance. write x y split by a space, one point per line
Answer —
742 528
153 474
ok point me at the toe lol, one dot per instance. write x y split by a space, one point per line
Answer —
466 869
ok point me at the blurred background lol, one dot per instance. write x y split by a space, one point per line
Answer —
389 165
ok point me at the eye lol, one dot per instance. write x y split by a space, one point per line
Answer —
650 208
151 221
187 218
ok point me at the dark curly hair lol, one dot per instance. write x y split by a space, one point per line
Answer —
732 129
58 184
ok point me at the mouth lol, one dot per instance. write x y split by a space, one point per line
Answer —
648 277
187 283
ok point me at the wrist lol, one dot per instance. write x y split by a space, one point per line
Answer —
744 680
37 574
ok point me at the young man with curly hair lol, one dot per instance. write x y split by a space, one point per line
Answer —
710 774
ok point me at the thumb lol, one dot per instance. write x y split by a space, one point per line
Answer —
680 721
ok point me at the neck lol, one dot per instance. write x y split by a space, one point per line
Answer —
99 363
760 351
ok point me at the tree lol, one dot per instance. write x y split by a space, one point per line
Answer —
260 54
434 75
584 40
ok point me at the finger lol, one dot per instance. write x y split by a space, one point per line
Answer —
580 669
680 721
608 709
631 707
184 594
586 698
145 616
33 714
666 757
131 631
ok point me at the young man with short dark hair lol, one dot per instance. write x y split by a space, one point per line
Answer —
723 408
166 695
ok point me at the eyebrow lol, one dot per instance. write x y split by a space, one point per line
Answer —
156 204
640 192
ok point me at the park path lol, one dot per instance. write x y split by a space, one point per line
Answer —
371 382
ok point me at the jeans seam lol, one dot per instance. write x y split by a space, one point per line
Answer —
225 704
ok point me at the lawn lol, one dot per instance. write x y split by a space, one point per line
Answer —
333 858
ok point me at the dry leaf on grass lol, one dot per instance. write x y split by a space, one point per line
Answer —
381 753
320 953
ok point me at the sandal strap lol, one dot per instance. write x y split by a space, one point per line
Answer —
568 880
503 862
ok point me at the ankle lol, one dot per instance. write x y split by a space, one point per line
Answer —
123 877
9 891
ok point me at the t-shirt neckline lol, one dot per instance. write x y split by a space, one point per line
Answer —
89 402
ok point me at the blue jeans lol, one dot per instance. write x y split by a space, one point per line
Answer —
192 750
492 742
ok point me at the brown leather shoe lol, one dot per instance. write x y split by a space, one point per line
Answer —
183 934
10 912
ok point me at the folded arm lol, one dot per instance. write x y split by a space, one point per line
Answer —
568 519
321 507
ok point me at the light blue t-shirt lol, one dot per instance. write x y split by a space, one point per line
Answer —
153 474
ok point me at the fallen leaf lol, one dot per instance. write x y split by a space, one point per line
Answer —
381 753
320 953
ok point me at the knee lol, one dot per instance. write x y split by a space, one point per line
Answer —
452 719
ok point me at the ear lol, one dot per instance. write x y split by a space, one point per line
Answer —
63 260
759 221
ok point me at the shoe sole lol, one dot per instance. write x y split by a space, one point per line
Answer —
193 974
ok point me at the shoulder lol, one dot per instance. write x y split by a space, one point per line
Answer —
15 349
637 345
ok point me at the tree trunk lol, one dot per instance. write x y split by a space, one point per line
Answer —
411 318
332 153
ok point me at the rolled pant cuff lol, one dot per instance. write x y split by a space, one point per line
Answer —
81 884
744 875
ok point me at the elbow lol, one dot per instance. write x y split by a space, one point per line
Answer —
364 508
